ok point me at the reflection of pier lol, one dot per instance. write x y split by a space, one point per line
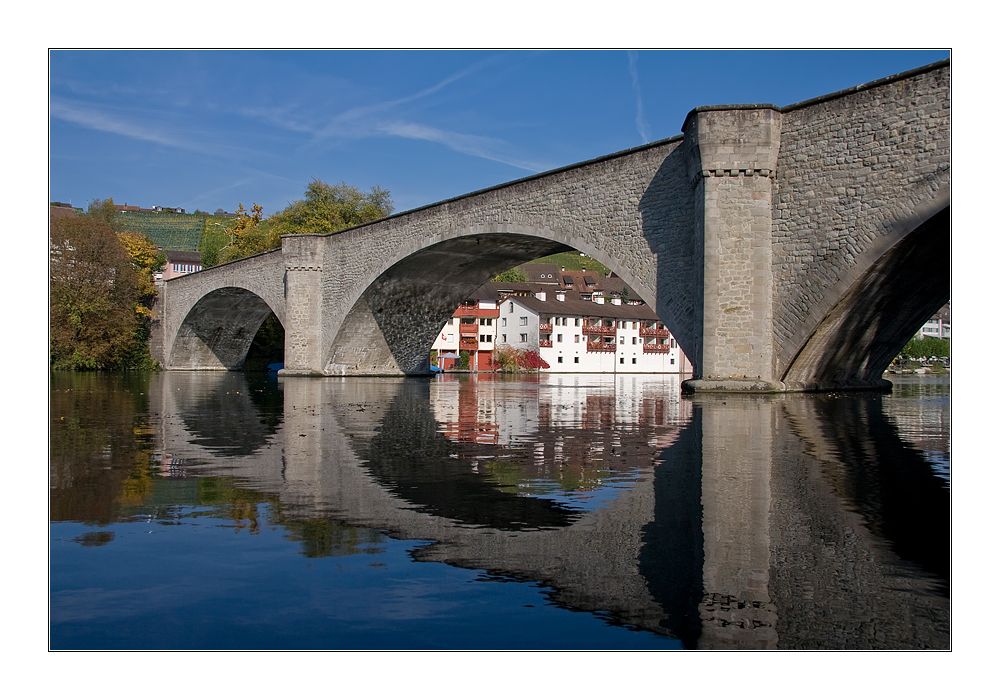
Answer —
746 520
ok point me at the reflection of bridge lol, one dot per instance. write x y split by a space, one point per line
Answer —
785 248
730 536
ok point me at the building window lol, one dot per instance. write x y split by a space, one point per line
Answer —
671 360
504 336
512 307
576 360
485 338
558 337
633 361
621 360
635 340
577 322
621 340
503 322
522 321
486 322
576 339
559 359
524 337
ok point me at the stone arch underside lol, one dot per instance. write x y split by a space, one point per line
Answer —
391 327
393 324
858 338
218 330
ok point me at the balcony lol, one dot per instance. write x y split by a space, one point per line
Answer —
601 347
468 343
544 327
468 328
654 332
599 330
545 343
653 347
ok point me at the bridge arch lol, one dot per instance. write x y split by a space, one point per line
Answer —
394 319
883 308
217 331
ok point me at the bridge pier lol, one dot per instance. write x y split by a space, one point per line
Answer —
732 158
303 260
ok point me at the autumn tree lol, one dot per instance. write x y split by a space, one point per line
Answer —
325 209
328 208
248 235
100 292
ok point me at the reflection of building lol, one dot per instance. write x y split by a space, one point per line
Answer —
552 436
577 323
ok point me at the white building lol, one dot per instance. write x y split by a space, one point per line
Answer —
600 335
936 328
577 324
471 328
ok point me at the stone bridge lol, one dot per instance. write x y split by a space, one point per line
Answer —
787 248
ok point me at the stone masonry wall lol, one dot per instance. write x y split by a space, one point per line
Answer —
261 274
856 173
631 211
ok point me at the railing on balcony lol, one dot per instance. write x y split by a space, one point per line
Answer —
654 347
599 330
545 327
468 343
600 347
545 343
654 332
468 328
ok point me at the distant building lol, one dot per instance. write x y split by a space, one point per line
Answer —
938 325
180 263
59 209
588 329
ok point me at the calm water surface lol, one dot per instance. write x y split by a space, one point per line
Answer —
207 510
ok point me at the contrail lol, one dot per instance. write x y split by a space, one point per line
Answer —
640 119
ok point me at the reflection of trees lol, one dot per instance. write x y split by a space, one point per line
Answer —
99 444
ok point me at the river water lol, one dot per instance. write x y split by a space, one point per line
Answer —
217 510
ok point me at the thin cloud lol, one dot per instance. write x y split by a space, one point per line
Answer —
352 121
640 118
479 146
92 118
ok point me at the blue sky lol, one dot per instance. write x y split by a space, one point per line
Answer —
210 129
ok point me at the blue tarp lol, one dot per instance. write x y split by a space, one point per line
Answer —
275 366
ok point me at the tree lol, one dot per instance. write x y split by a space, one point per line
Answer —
96 294
325 209
515 274
247 236
328 208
